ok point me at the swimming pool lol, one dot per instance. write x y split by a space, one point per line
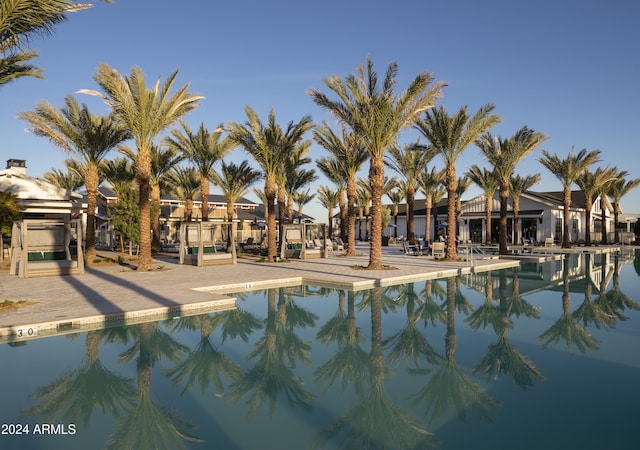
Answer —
542 356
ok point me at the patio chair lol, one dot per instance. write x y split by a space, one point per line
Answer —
437 250
409 249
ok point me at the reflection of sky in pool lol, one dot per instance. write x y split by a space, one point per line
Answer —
542 357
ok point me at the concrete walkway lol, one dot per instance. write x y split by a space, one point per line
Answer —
113 294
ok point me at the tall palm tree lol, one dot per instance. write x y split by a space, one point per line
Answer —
409 163
431 187
568 170
519 185
21 20
204 149
85 136
504 155
486 180
234 181
450 136
616 191
269 145
185 184
145 113
347 157
328 198
591 183
378 116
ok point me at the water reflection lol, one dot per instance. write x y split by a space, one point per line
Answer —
276 355
395 362
376 420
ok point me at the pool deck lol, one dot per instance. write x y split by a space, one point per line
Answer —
113 294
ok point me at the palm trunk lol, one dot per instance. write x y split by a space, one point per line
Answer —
344 217
282 208
504 201
565 225
270 194
155 201
204 193
452 186
588 204
376 178
91 183
143 177
290 210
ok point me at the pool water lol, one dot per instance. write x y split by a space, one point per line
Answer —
545 356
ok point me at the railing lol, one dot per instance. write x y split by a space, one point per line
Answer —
469 250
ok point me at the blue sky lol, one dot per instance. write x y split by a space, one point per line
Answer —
568 68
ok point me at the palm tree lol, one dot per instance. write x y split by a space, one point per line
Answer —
591 184
616 191
88 138
163 159
568 170
303 198
145 113
329 199
377 116
269 145
450 136
69 180
519 185
119 173
347 157
504 155
185 184
409 164
486 180
297 178
20 20
204 149
431 187
234 180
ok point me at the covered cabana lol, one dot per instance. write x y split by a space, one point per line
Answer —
305 241
46 247
205 243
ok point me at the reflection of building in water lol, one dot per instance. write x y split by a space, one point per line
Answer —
581 269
